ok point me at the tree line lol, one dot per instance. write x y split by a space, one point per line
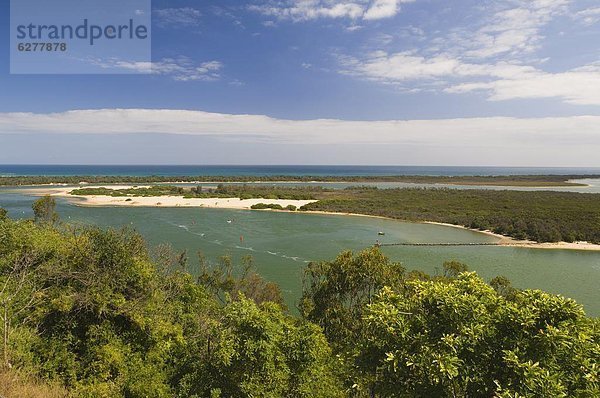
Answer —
540 216
511 180
221 191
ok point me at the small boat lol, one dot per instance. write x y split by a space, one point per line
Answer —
380 233
229 221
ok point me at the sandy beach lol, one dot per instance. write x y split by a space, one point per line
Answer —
159 201
508 241
246 204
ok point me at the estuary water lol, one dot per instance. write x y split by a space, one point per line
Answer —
283 243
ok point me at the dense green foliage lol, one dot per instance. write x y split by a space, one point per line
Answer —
154 190
336 292
91 309
517 180
94 311
449 336
538 216
463 339
264 206
266 192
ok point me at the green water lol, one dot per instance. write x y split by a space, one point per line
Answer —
283 243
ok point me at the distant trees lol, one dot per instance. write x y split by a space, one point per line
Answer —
154 190
522 180
44 210
222 191
538 216
264 206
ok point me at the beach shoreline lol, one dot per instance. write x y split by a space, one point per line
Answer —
159 201
504 241
246 204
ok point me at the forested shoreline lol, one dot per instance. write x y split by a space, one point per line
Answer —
513 180
538 216
88 312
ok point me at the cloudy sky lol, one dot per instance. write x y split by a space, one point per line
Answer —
408 82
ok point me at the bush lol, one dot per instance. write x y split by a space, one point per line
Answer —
263 206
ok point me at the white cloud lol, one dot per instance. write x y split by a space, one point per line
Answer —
492 133
580 86
383 9
589 16
511 28
501 80
403 67
305 10
178 17
492 57
179 69
354 28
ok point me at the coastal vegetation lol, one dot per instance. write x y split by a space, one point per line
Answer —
88 312
221 191
537 216
491 180
264 206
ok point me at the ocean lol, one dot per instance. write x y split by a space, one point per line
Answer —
257 170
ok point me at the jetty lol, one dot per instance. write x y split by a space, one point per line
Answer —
440 244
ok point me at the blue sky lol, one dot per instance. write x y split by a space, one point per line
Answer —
433 82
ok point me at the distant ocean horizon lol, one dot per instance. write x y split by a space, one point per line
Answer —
273 170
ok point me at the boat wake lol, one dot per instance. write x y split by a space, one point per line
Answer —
248 248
